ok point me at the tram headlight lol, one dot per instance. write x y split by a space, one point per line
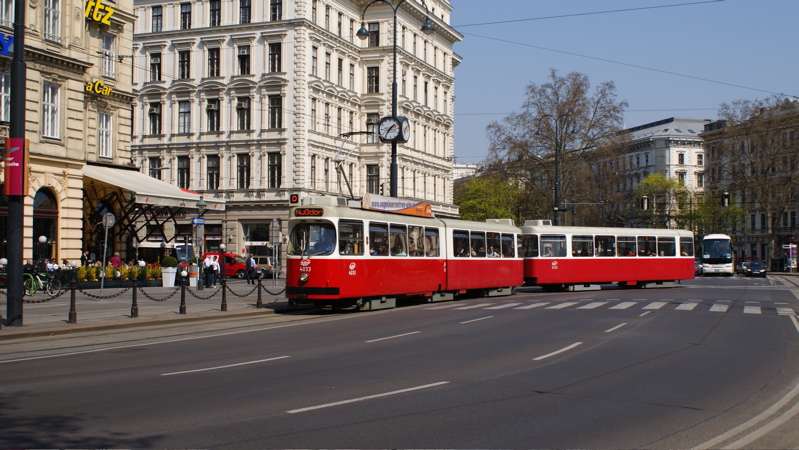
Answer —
303 277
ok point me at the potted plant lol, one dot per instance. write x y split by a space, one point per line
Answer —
169 267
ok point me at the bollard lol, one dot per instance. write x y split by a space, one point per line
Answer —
182 295
134 307
73 310
223 307
260 302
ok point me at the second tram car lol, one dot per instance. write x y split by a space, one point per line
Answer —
342 254
574 258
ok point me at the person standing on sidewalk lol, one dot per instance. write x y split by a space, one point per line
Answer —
215 265
208 269
251 272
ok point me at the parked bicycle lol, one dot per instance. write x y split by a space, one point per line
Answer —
45 282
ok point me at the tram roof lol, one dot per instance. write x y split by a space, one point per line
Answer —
537 228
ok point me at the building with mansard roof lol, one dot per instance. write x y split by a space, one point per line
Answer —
247 101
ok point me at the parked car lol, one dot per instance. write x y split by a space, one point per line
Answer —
266 266
235 265
752 268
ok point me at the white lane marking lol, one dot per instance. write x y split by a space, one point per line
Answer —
533 305
223 367
785 311
719 307
642 315
557 352
450 305
505 305
611 330
752 310
479 305
368 397
689 306
623 305
795 322
655 305
393 337
477 320
593 305
562 305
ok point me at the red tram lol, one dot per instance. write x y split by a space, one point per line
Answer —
371 252
584 257
345 252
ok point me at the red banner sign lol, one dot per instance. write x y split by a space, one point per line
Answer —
16 158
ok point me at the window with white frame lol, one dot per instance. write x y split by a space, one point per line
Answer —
52 20
158 19
5 97
275 52
105 144
50 111
275 170
275 111
108 55
245 11
276 10
155 67
6 13
184 116
243 113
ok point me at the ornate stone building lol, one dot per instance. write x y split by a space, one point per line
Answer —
248 101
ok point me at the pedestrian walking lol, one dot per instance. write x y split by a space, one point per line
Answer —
215 265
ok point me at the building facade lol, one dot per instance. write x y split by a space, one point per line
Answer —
246 102
78 92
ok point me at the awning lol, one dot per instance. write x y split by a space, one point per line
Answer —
148 190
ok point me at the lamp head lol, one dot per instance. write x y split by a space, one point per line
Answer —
42 239
142 263
201 205
427 27
183 273
363 33
222 246
3 261
73 263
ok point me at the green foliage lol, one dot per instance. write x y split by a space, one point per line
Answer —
488 197
169 261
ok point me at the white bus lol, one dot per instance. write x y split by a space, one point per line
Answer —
715 255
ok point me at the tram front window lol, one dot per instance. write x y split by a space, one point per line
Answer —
313 239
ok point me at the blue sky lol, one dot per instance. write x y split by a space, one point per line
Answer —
677 58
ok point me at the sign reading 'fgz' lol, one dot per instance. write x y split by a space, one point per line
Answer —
98 12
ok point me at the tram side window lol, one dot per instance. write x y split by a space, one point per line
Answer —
460 243
431 247
415 241
647 246
508 245
399 240
553 245
582 246
605 245
687 246
666 246
378 239
478 243
529 246
350 237
626 246
493 242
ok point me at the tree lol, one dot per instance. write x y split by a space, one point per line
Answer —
559 122
659 200
490 196
753 157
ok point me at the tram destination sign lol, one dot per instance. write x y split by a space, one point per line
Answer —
397 205
308 212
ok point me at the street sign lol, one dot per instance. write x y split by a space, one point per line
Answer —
198 221
109 219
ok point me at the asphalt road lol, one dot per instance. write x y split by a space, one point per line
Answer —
710 363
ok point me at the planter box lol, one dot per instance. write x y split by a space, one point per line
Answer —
168 276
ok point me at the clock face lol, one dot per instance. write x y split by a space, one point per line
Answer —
406 129
389 128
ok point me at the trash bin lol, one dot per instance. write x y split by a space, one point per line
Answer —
194 272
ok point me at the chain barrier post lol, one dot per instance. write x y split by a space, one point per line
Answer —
73 310
223 307
260 302
134 307
182 294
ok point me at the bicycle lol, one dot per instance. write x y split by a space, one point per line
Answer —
43 282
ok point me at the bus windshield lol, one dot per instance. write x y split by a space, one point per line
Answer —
312 239
716 251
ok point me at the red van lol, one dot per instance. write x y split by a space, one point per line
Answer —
235 265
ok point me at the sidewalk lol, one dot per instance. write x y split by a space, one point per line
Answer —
111 309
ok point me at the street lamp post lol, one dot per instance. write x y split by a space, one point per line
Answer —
42 244
558 144
363 33
199 243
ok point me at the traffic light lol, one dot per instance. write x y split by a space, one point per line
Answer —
644 203
725 199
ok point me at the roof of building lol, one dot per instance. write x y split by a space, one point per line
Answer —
674 127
